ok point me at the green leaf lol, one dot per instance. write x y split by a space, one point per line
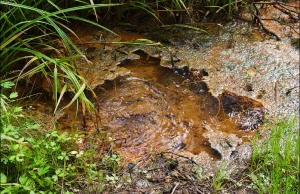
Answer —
35 126
4 97
13 95
7 84
19 157
23 179
4 160
42 171
60 157
8 128
55 178
52 144
3 178
47 181
12 158
79 92
17 109
29 185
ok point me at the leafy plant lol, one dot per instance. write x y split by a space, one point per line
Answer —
220 178
35 160
111 161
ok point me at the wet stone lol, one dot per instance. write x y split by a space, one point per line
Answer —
142 184
248 113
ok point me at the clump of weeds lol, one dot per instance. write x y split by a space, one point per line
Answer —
35 160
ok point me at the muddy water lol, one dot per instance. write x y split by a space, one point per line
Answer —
146 108
158 109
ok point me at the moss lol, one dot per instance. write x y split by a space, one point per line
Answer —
295 42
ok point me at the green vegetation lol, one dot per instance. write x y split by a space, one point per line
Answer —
274 166
220 178
35 159
275 162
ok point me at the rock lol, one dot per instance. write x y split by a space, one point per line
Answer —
142 184
223 143
248 113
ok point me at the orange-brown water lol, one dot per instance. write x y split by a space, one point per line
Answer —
151 110
156 109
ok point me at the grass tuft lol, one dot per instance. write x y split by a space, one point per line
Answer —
275 162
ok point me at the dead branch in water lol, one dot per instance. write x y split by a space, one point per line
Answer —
258 20
290 10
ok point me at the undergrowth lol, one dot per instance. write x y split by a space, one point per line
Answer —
37 160
275 162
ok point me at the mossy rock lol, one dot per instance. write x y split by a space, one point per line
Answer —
295 42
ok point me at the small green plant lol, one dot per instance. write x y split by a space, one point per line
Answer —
275 162
111 161
198 172
33 160
112 178
220 178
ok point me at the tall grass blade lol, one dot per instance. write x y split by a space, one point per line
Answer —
93 23
55 84
63 90
4 44
92 3
79 92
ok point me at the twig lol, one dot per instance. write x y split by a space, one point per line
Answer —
182 157
279 22
287 11
275 3
290 90
175 188
291 13
5 137
258 19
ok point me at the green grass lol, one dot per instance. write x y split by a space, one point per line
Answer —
220 178
30 32
275 162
